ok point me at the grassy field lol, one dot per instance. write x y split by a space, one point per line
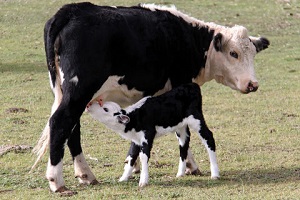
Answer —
257 135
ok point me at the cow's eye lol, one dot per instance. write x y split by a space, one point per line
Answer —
234 54
105 109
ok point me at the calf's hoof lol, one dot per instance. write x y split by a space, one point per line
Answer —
143 184
195 172
123 179
215 177
178 175
65 192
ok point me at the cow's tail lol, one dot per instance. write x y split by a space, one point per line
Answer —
52 47
41 147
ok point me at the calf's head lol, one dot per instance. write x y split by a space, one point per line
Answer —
231 58
109 113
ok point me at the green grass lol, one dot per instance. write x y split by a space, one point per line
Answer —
257 135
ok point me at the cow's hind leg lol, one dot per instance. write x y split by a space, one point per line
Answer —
82 170
208 140
62 124
183 137
132 156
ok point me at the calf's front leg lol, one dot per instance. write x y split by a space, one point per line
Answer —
144 157
132 156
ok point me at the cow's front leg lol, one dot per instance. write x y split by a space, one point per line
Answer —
132 156
82 170
183 137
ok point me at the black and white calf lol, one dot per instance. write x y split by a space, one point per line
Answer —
177 110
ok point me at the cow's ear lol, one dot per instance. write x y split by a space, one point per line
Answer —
260 43
123 119
218 42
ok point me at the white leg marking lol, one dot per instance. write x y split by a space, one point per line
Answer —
181 168
82 170
145 172
213 161
55 176
181 139
127 170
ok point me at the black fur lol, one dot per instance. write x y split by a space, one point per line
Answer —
95 42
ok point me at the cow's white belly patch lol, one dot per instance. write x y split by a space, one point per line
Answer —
111 90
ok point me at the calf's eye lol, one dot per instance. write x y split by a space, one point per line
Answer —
234 54
105 109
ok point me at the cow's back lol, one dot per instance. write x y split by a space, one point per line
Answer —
144 47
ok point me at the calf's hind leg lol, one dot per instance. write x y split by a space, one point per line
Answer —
208 140
183 137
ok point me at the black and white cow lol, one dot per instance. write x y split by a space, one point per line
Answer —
177 110
124 54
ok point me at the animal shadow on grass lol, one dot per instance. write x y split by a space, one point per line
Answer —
247 177
23 67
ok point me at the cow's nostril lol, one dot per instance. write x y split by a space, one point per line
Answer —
252 86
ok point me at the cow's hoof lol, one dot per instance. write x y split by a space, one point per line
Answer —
94 182
65 192
195 172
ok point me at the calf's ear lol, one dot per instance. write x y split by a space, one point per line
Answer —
260 43
123 119
218 42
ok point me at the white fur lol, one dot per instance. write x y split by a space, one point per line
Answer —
55 176
82 170
74 80
105 114
181 168
127 170
145 171
61 76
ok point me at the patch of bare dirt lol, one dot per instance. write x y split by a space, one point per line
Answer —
14 148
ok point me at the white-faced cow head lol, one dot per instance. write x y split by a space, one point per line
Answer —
109 113
230 58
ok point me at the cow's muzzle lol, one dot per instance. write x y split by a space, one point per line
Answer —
252 87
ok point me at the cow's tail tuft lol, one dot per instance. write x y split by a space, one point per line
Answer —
41 147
